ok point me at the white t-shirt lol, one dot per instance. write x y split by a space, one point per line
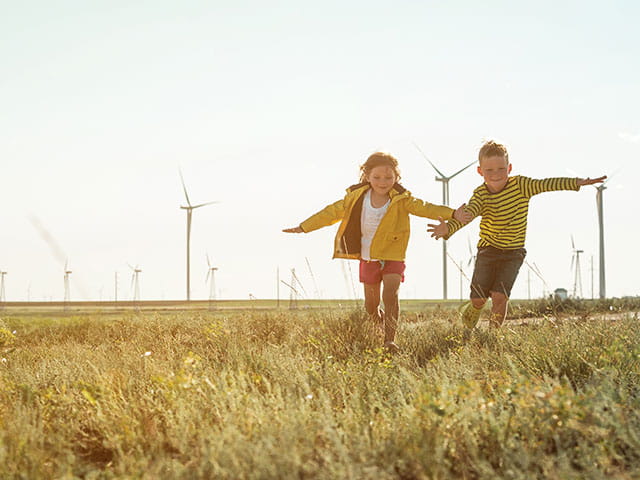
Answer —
369 221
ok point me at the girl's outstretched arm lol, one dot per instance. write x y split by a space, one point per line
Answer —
297 229
462 215
438 230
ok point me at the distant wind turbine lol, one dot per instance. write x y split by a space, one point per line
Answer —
135 282
294 292
601 271
67 272
600 208
445 201
189 208
575 266
67 290
599 200
211 277
2 297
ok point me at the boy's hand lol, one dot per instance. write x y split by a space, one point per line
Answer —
297 229
438 230
462 215
590 181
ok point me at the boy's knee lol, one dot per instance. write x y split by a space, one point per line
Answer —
478 302
498 298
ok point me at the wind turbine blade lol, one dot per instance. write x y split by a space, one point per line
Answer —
572 261
573 245
299 283
430 162
206 279
462 169
292 288
184 187
130 266
204 204
208 262
536 270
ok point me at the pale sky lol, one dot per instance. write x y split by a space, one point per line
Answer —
270 108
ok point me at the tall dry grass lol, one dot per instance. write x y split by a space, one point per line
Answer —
310 395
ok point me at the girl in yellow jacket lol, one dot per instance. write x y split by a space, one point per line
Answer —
374 229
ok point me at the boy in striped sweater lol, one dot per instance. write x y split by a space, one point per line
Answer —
503 203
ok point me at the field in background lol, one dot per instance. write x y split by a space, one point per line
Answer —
264 393
519 308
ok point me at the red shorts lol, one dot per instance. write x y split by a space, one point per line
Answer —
371 271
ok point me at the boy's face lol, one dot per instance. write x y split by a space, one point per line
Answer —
495 171
382 179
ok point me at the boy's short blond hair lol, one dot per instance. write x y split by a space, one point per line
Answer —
491 148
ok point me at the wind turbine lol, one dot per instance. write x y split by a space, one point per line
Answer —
211 277
295 293
575 262
135 282
67 293
599 194
460 271
445 201
189 208
2 297
599 199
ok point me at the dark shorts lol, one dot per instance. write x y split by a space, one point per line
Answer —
495 271
372 271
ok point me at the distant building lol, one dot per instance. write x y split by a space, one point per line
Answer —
560 294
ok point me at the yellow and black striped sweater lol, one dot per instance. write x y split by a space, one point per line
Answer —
504 214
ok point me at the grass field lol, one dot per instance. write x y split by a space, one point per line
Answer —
309 394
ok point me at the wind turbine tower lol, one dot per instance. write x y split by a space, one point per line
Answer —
445 201
599 191
211 278
67 293
575 265
189 208
2 297
135 282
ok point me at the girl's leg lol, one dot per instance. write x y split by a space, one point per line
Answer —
391 287
372 302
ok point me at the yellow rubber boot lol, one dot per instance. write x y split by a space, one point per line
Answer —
469 314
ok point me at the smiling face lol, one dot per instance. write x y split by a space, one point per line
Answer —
382 178
495 170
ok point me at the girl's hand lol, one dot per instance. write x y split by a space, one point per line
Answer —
297 229
438 230
462 215
590 181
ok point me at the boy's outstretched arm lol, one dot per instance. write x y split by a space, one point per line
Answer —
297 229
438 230
590 181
